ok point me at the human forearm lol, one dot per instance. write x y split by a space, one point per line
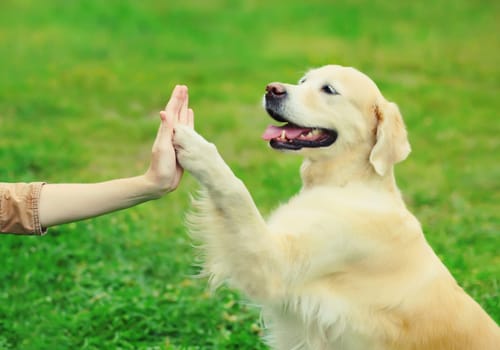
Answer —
31 208
62 203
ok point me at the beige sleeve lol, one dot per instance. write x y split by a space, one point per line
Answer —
19 208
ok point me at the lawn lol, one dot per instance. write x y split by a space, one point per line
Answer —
81 84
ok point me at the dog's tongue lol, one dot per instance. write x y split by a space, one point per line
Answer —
291 132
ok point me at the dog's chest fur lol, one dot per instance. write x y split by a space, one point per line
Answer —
312 323
316 315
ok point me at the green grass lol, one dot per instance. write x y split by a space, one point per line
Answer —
81 85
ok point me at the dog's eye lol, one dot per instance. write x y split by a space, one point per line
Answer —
329 90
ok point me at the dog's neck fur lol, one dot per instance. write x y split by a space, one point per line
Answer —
353 167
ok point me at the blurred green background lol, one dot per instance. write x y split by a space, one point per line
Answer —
81 85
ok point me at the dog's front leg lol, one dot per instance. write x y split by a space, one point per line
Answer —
236 242
227 192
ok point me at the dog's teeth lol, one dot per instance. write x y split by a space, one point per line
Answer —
283 134
315 131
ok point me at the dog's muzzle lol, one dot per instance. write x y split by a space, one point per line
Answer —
275 96
291 136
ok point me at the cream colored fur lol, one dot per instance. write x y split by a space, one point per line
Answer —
343 264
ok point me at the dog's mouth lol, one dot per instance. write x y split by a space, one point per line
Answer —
294 137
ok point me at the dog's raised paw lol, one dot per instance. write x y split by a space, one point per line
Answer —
193 151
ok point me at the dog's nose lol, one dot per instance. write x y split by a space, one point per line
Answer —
275 90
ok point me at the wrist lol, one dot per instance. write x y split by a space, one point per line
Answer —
154 187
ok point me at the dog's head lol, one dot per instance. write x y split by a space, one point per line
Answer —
332 109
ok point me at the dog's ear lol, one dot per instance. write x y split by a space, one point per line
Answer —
391 145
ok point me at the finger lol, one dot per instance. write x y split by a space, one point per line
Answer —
183 113
179 112
176 101
190 119
173 95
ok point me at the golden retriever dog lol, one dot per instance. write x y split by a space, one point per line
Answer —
343 264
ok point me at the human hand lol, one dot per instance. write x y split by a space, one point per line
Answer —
164 171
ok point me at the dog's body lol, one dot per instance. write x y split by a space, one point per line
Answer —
343 264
